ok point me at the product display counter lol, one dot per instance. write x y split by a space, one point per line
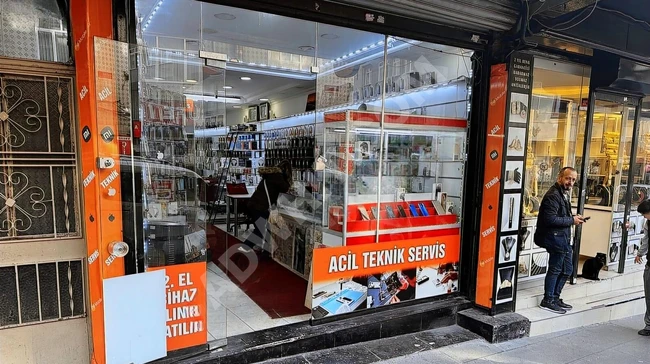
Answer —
406 184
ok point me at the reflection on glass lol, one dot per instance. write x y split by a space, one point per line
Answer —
556 130
165 159
641 189
606 153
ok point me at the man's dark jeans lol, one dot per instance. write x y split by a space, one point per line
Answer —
560 268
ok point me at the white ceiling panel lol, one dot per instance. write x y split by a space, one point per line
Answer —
187 19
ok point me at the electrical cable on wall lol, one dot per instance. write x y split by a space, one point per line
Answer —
554 27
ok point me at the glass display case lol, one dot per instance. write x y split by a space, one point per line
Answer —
406 179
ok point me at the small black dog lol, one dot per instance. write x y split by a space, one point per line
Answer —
591 268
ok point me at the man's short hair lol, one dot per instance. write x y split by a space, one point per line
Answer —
644 207
565 169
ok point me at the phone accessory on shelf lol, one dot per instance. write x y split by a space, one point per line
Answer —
423 209
364 213
401 211
414 211
438 206
390 212
375 212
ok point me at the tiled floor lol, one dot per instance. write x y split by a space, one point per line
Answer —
231 312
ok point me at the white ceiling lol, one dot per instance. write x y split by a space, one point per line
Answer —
186 19
260 86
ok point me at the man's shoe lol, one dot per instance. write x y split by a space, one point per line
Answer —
552 307
644 332
563 305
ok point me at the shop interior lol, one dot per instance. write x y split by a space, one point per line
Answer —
295 90
556 139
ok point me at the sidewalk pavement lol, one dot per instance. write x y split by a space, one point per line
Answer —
611 342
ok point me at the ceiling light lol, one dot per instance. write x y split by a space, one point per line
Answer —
190 81
158 78
236 106
245 78
306 48
329 36
227 87
225 16
264 99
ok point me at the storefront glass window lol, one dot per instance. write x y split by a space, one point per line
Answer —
394 144
556 132
294 143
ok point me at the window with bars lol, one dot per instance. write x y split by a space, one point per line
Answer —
39 194
43 292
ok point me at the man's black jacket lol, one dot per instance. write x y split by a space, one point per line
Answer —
554 221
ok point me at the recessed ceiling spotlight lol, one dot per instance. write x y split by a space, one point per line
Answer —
227 87
245 78
306 48
225 16
329 36
264 99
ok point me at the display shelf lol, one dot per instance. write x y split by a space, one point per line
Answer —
422 162
357 223
407 97
401 230
372 119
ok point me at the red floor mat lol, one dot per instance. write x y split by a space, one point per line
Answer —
278 291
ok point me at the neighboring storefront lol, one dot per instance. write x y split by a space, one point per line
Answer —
568 118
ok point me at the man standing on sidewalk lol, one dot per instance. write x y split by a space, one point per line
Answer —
644 209
554 234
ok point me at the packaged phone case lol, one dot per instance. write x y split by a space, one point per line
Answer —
390 212
423 209
401 211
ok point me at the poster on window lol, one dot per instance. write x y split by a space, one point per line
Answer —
351 278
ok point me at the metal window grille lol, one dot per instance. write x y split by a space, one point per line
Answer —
39 194
43 292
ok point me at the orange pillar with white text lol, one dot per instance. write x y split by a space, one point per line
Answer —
99 156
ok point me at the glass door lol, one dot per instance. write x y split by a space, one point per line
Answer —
608 139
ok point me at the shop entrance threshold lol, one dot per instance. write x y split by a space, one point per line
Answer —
304 337
615 296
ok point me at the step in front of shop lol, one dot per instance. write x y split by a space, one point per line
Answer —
531 293
304 337
379 351
588 310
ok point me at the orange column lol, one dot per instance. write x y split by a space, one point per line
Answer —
101 187
490 207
